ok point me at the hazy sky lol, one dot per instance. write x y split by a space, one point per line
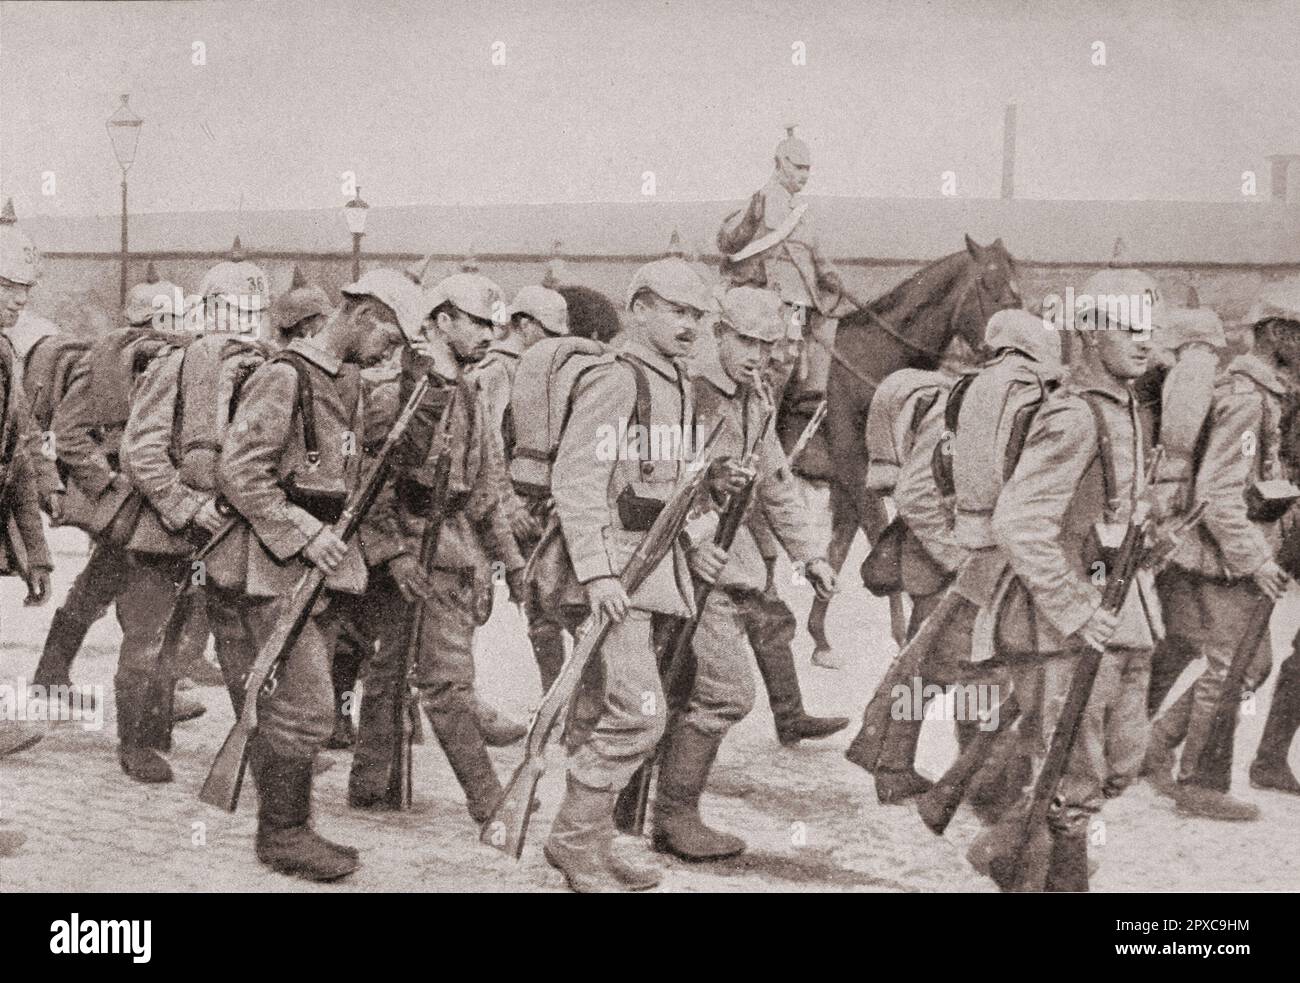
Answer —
593 94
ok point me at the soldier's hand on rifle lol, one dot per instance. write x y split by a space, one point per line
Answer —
606 595
821 576
706 561
38 587
325 550
727 476
523 525
517 585
209 517
52 505
1097 630
410 579
1271 580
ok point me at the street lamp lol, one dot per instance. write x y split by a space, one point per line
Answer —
355 213
124 131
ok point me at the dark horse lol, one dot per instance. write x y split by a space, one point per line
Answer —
909 327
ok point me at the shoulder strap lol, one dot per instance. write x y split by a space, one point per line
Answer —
956 395
922 409
304 405
642 411
1104 450
1020 424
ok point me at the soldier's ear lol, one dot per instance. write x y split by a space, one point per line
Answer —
974 248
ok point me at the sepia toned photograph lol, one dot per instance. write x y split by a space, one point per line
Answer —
604 446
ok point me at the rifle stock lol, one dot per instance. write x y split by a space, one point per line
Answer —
507 827
221 788
937 806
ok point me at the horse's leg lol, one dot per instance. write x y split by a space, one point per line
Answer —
844 526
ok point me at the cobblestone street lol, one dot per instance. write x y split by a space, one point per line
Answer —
810 817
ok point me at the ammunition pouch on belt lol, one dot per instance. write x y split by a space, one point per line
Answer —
1268 501
324 501
417 498
636 512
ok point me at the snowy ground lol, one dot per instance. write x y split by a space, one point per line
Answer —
810 817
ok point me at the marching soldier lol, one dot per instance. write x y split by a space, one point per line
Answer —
23 550
88 426
772 243
603 508
475 534
731 388
535 313
1081 474
289 461
1230 563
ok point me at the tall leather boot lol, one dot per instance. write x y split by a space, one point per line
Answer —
285 840
548 649
896 776
1269 770
138 759
346 668
684 766
157 713
1067 865
372 751
1167 733
62 643
1170 658
579 846
453 720
770 637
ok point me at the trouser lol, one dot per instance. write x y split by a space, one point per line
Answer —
297 716
617 715
98 584
144 603
1284 713
444 674
770 627
1111 740
546 634
1178 592
723 691
380 614
1221 612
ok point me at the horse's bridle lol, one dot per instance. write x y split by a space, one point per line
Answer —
976 284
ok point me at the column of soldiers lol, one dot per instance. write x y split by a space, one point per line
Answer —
245 438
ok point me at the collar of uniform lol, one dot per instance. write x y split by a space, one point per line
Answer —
511 347
1112 389
648 357
437 350
318 356
712 370
1260 371
774 188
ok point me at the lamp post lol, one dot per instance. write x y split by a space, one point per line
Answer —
355 213
124 132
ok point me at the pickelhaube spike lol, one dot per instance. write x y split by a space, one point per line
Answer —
237 251
419 269
8 216
470 263
296 279
1193 299
150 273
1117 254
675 246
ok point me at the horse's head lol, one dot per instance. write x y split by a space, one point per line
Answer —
994 286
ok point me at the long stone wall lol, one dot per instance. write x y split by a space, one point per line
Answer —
79 292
